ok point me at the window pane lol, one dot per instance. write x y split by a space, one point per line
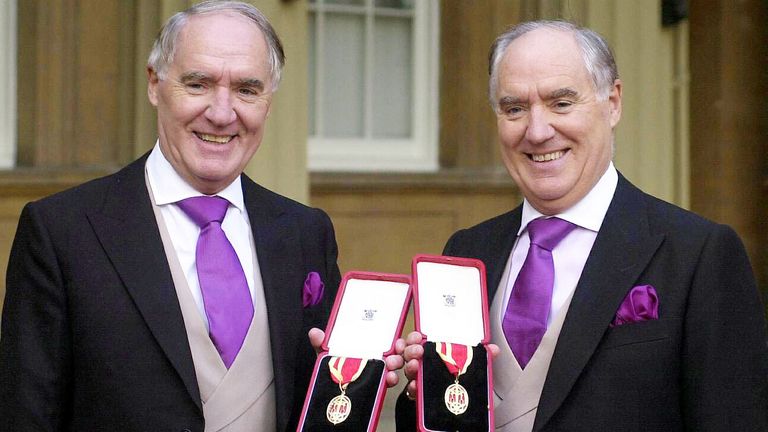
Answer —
343 76
396 4
346 2
393 77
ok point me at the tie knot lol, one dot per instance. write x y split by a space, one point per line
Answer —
204 209
547 233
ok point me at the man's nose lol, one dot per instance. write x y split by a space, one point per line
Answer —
221 110
539 126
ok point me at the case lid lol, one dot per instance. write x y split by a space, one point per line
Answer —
450 299
368 315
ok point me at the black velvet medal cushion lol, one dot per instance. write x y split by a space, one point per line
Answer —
361 392
436 380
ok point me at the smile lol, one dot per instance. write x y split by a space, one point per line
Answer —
221 139
546 157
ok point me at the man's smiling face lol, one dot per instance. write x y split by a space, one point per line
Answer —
213 100
556 134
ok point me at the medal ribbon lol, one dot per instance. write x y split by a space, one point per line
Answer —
456 357
344 370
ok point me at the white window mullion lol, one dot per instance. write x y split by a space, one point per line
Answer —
8 83
369 70
426 37
320 66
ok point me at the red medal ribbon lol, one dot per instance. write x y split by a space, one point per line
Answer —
456 357
344 370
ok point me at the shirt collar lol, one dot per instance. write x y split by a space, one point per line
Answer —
589 212
169 187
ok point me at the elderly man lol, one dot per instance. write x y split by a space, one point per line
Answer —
177 293
611 310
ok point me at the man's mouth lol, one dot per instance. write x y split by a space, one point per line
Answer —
220 139
546 157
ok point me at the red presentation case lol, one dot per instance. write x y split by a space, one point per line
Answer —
451 306
367 318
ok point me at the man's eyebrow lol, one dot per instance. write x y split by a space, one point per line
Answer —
251 82
563 93
193 76
510 100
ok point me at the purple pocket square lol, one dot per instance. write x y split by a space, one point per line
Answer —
313 290
641 304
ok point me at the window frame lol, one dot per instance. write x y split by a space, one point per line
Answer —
419 153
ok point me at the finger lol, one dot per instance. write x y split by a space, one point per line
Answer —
413 338
316 337
410 390
392 379
394 362
494 349
400 346
411 369
413 352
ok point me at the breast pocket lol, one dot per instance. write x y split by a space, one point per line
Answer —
638 333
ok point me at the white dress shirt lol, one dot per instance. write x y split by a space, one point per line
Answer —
570 255
168 188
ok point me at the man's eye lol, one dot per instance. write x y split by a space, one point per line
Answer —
195 87
247 91
563 104
513 110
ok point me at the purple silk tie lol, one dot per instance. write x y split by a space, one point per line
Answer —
227 299
525 320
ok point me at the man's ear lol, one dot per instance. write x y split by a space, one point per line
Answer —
614 100
152 85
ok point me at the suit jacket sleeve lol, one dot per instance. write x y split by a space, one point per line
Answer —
331 268
725 357
35 344
317 316
322 254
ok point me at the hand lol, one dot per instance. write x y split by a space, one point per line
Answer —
393 362
412 355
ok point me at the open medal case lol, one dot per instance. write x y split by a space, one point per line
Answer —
348 384
455 382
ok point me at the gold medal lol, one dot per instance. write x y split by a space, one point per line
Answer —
338 409
456 398
457 358
344 370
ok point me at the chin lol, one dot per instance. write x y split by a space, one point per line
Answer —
549 189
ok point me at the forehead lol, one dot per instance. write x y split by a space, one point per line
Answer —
224 36
543 57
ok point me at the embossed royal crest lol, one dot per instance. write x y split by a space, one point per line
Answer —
449 300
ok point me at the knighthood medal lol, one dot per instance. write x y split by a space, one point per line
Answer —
344 370
457 358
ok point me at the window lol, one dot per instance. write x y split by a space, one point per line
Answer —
373 85
7 83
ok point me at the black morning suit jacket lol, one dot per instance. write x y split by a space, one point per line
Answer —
702 366
92 334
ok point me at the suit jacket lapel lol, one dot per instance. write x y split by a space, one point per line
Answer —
623 248
495 251
278 250
128 231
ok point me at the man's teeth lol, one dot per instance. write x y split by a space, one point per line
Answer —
547 156
215 138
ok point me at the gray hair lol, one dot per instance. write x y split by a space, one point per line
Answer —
597 55
164 47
